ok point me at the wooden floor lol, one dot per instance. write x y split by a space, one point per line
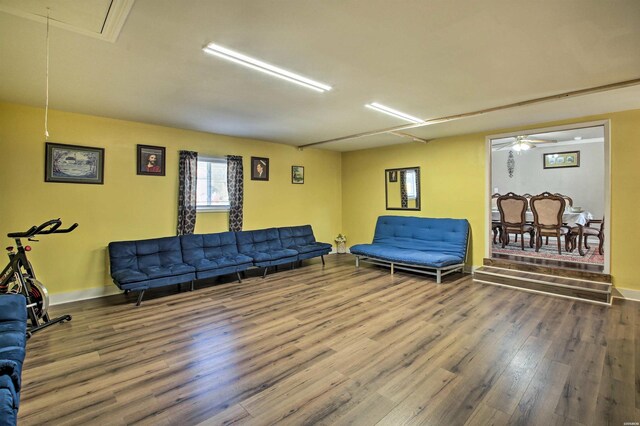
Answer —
336 345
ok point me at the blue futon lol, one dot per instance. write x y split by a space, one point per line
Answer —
427 245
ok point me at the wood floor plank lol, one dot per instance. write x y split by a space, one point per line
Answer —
336 345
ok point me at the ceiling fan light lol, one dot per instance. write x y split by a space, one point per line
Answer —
525 147
517 147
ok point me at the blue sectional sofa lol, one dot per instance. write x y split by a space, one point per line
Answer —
144 264
301 239
13 340
265 248
431 246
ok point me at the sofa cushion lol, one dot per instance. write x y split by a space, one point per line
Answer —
409 256
13 341
302 240
296 236
134 261
323 247
261 240
222 262
271 255
208 246
145 253
9 401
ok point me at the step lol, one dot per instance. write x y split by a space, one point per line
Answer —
574 288
548 270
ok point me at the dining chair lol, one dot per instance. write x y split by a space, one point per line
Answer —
512 209
547 219
568 201
496 227
528 197
582 233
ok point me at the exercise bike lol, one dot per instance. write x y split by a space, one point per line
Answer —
19 277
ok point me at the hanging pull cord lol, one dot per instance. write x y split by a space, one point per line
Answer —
46 102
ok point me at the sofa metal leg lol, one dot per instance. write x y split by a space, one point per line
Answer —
264 273
191 289
239 279
392 271
438 276
127 291
140 295
322 257
357 261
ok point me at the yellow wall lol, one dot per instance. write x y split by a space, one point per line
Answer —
340 193
128 206
453 185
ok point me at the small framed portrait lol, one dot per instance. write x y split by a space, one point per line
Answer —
259 168
73 164
297 174
151 160
393 176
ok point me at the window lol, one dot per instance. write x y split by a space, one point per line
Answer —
212 184
410 180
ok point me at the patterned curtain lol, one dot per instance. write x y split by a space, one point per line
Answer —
235 187
404 198
188 170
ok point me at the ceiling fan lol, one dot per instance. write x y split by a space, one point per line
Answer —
522 143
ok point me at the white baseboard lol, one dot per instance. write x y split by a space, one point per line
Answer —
90 293
629 294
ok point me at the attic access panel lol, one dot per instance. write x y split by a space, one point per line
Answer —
102 19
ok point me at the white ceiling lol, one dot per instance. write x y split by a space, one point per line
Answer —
427 58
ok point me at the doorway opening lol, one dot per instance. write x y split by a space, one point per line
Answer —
548 197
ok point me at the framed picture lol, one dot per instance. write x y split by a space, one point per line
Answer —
393 176
73 164
559 160
151 160
259 168
297 174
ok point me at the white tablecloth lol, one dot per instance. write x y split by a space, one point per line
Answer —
571 219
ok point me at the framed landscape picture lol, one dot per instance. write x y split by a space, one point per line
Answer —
259 168
73 164
559 160
151 160
297 174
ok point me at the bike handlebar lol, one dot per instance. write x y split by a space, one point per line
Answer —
49 227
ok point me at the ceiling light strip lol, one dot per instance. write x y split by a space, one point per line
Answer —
247 61
393 112
559 96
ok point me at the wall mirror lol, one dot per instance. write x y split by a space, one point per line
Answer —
402 188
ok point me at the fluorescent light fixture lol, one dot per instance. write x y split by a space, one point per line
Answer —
394 113
247 61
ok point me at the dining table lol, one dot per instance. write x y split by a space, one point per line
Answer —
569 217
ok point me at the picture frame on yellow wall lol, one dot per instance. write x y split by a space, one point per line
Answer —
297 174
73 164
151 160
259 168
